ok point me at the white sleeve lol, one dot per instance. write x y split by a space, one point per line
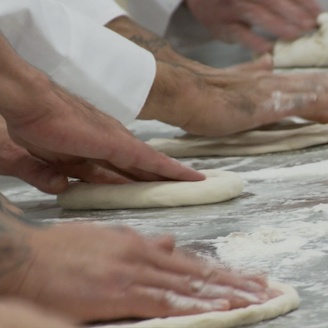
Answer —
88 59
154 15
101 11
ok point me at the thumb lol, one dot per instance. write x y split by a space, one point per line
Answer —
264 63
38 174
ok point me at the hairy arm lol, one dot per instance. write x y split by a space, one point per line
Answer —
157 45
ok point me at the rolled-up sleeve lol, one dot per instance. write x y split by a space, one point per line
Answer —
88 59
101 11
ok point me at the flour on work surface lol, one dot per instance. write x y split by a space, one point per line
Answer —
298 171
254 248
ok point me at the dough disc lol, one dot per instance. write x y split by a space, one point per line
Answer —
218 187
308 51
284 136
253 314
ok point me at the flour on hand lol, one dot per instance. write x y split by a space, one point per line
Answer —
281 305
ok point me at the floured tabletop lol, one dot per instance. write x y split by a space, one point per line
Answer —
279 224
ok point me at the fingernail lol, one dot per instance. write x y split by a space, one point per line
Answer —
308 23
221 305
273 293
292 31
263 297
252 286
197 285
56 180
252 298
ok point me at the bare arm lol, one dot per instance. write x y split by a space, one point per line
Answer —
207 101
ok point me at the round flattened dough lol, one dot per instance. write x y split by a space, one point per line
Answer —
218 187
280 137
308 51
281 305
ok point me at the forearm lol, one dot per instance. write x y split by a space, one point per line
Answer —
19 82
16 251
157 45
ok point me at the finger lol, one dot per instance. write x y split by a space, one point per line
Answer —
132 174
312 6
240 33
258 15
317 112
153 302
250 284
237 298
91 172
179 264
296 82
166 243
142 157
291 12
264 63
38 174
288 103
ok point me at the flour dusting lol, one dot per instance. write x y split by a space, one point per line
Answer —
287 245
306 170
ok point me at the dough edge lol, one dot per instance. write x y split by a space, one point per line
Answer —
82 196
281 305
304 137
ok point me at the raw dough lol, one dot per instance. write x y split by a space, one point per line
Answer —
308 51
253 314
284 136
218 187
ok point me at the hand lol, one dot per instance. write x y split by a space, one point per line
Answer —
15 314
97 273
17 162
72 135
232 21
214 102
162 50
231 101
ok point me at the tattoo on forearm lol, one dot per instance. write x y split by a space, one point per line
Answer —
153 44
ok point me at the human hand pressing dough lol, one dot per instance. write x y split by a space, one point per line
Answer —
99 273
228 102
233 21
70 134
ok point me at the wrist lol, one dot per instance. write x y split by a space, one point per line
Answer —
21 84
173 88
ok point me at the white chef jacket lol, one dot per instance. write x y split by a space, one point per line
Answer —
66 40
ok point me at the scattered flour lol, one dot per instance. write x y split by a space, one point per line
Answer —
306 170
321 208
287 245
